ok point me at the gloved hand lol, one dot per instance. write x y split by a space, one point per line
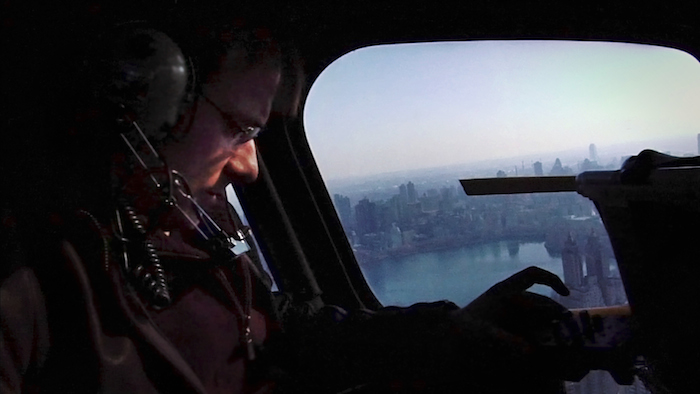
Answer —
503 325
509 306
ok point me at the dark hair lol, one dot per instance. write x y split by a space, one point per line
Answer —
206 35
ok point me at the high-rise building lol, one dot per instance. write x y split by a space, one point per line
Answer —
342 205
388 212
411 191
366 217
557 168
593 152
403 194
571 261
594 259
538 168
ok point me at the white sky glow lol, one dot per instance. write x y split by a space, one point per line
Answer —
411 106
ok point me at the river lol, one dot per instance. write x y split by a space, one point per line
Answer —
458 275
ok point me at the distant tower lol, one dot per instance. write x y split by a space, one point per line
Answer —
592 152
342 205
538 168
411 191
403 194
557 168
571 261
594 260
366 216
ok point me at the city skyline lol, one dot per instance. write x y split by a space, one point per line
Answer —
418 244
607 155
453 103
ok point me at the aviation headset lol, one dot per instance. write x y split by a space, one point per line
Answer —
145 77
144 71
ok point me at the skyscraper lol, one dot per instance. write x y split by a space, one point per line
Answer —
366 217
538 168
342 205
594 262
403 194
571 260
411 191
592 152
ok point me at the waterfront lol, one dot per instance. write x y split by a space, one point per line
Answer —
459 274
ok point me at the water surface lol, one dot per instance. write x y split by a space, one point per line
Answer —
458 275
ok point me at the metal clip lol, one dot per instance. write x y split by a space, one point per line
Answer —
238 246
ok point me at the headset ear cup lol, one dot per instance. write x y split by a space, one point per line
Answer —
192 84
143 71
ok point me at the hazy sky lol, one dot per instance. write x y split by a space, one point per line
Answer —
410 106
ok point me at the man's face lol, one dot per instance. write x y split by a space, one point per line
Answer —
206 152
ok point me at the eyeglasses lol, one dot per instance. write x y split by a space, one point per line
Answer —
242 134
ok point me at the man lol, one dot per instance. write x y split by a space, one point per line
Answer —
144 289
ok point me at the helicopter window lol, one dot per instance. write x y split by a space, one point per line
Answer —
416 118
